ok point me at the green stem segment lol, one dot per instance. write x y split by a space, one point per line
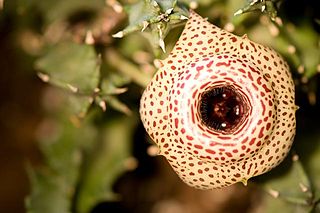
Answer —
127 68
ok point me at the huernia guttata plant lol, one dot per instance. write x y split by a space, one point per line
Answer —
221 108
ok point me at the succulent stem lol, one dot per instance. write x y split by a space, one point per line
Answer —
126 67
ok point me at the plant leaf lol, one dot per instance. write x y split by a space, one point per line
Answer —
53 185
59 9
293 186
71 66
106 163
271 205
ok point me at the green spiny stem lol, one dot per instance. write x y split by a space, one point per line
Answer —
155 17
127 68
269 6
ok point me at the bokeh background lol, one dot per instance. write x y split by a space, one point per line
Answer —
63 150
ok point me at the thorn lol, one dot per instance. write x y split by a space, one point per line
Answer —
291 49
162 45
253 2
127 111
155 4
147 68
91 99
116 6
158 63
193 5
312 98
274 31
304 79
274 193
131 163
76 119
300 69
160 30
264 20
103 105
238 12
120 90
263 8
89 38
182 17
303 187
142 57
169 11
43 77
161 41
73 88
295 157
145 25
118 34
278 20
229 27
153 150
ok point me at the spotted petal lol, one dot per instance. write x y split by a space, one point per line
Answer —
221 108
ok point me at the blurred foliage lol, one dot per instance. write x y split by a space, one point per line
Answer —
97 78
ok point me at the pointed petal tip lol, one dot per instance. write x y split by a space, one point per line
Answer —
244 181
245 36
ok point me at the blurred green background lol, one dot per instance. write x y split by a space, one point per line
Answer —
70 135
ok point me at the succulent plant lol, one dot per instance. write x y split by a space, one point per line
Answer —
155 16
221 108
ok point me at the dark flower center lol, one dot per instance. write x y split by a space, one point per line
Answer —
222 108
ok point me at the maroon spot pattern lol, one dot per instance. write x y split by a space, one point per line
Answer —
206 57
